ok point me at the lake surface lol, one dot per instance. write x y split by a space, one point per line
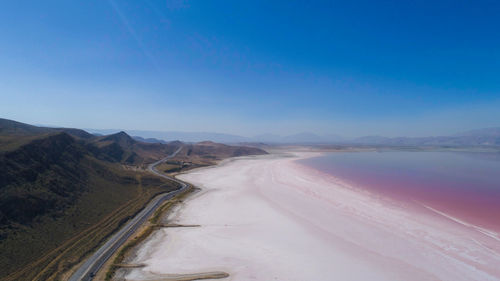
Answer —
465 186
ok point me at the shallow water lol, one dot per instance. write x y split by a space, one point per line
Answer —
463 185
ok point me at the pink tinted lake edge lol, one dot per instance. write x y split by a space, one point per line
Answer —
487 239
472 202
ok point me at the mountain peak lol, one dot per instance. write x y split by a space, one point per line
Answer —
206 143
122 138
485 132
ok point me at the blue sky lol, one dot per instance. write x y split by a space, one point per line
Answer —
250 67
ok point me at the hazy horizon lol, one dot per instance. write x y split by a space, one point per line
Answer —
351 69
483 136
284 140
137 132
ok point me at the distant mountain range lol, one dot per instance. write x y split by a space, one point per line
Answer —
175 135
160 136
487 132
304 138
481 137
148 140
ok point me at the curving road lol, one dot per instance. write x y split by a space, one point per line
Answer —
92 265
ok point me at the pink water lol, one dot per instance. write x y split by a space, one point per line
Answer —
463 185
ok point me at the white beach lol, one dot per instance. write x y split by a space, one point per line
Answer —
270 218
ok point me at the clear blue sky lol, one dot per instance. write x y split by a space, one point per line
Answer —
251 67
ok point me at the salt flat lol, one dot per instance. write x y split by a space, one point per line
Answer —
270 218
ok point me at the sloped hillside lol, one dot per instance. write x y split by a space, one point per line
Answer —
13 134
120 147
208 153
40 177
54 192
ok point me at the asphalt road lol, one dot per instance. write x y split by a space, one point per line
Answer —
92 265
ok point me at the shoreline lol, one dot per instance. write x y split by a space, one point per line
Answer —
416 204
339 237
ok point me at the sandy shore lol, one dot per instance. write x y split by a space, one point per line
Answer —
270 218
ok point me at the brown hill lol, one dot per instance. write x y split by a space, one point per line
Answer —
13 134
53 187
120 147
209 153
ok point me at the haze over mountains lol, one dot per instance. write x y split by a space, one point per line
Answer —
480 137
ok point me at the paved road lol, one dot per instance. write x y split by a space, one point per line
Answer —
88 270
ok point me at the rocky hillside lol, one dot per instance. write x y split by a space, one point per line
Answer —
41 177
